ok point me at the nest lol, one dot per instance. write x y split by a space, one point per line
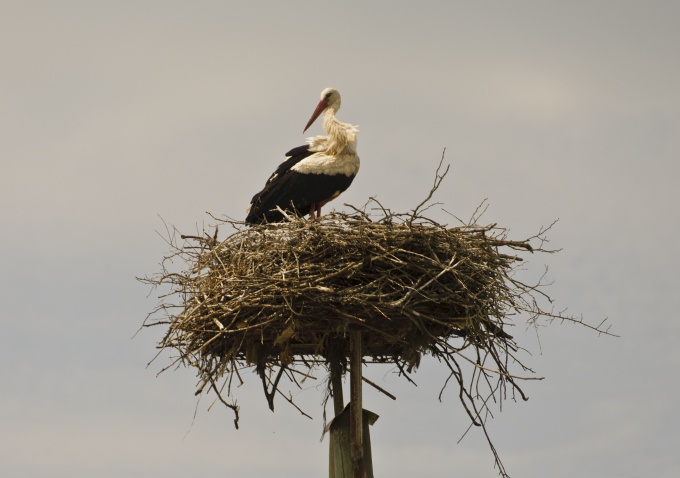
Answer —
281 298
277 295
268 294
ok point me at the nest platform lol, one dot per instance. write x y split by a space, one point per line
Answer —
270 295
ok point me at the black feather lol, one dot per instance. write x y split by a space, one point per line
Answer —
293 191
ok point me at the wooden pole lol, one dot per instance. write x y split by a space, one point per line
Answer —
355 407
336 386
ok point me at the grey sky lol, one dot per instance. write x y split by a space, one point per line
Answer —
113 113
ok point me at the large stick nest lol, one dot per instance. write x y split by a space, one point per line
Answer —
278 297
271 293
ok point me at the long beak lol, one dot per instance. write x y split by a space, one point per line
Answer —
319 109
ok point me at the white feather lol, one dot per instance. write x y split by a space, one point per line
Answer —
322 163
335 153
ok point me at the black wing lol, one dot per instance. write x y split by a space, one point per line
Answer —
257 211
294 156
294 191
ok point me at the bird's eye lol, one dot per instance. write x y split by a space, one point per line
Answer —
328 95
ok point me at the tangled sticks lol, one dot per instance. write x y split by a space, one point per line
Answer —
282 297
267 295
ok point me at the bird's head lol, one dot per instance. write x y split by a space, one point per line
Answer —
330 98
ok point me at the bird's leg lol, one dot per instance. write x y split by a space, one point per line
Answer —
318 210
312 208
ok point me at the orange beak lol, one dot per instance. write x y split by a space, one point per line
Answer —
319 109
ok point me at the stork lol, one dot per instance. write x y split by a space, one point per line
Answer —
312 174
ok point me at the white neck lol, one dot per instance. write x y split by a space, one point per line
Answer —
342 137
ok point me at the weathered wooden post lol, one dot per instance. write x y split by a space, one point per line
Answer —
350 443
340 459
355 405
336 385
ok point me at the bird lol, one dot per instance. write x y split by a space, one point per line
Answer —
312 174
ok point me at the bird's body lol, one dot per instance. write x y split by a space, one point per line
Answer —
313 174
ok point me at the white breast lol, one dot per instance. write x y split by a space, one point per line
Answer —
320 163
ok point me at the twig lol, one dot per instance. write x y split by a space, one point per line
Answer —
378 388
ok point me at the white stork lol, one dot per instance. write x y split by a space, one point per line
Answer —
313 174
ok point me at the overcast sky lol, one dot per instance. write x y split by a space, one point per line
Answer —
114 114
